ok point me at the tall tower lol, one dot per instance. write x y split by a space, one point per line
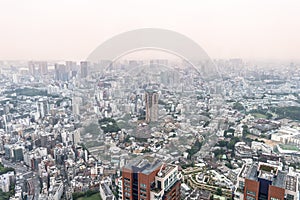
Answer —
61 73
76 101
151 99
38 68
43 68
84 69
42 107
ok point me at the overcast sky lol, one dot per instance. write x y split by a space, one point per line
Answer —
71 29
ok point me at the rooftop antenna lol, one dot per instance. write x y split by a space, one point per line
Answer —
160 174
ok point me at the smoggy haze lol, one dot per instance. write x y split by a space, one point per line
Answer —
48 29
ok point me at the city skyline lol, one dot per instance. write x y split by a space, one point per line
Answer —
149 100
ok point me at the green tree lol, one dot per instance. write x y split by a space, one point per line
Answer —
238 106
219 192
108 125
195 148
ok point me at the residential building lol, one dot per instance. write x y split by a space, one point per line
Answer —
151 98
265 181
149 178
105 192
84 69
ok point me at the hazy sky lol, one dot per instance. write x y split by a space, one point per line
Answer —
71 29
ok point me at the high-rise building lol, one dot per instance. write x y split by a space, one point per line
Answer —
84 69
61 73
18 154
43 68
76 137
42 107
76 102
71 68
264 181
8 151
37 68
71 65
158 62
150 179
151 100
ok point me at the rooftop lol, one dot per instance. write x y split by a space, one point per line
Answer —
249 171
106 189
199 194
144 165
267 168
266 175
167 168
279 180
268 172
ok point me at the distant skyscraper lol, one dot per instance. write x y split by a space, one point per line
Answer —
38 68
151 100
71 68
158 62
76 137
31 68
84 69
18 154
76 101
43 68
42 107
61 73
71 65
149 179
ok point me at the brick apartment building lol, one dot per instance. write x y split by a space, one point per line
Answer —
264 181
148 178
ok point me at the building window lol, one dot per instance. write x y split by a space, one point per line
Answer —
127 184
251 193
241 185
166 183
127 194
273 198
250 198
143 195
159 185
143 190
143 185
289 197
